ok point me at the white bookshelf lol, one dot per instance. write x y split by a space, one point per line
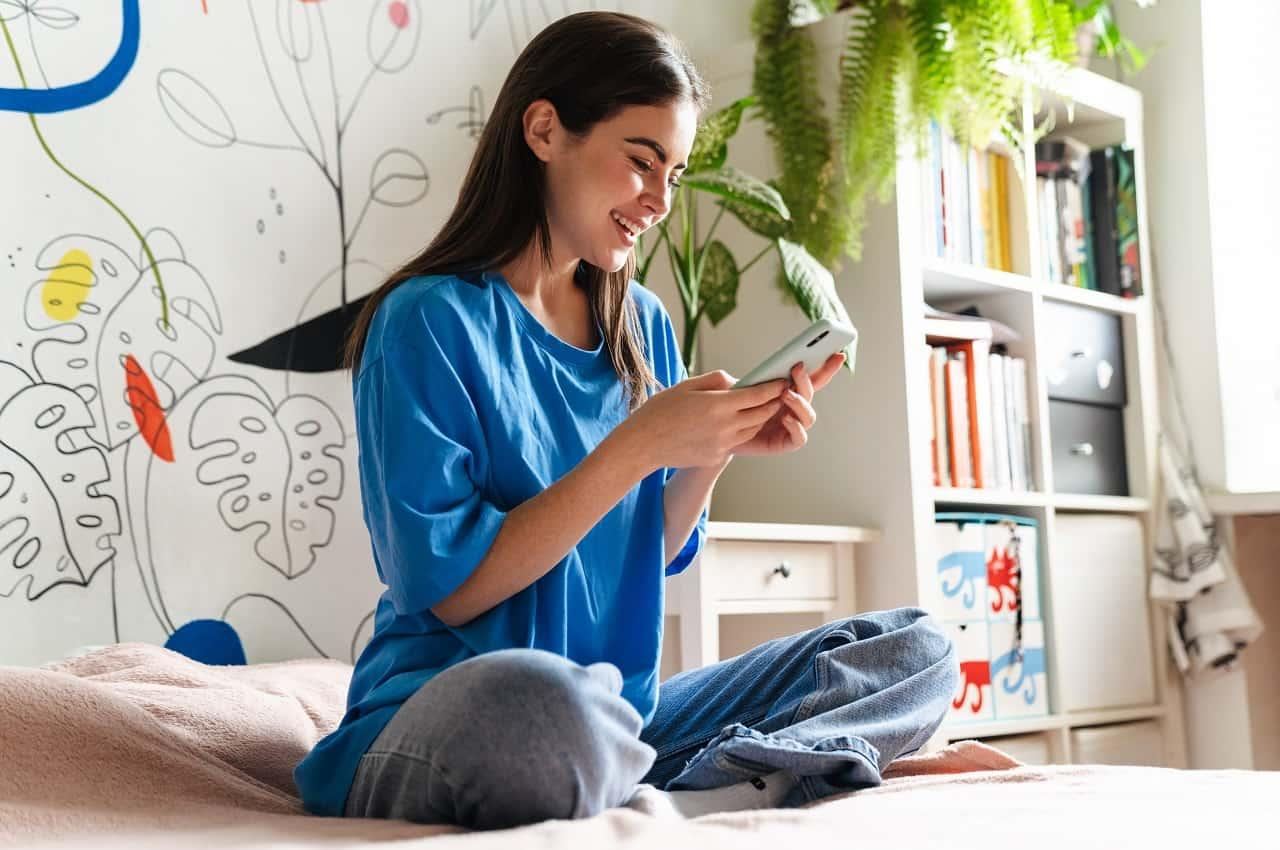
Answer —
868 459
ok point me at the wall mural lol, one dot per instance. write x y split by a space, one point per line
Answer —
205 194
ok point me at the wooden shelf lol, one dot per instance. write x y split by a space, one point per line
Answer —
962 731
946 281
1229 504
1112 715
791 532
1050 723
995 498
1086 502
1092 298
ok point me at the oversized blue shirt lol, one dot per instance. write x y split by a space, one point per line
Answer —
466 406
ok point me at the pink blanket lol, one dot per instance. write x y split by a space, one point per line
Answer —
134 745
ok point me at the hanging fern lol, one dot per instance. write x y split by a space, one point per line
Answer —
785 84
903 64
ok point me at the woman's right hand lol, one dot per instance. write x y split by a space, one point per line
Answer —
699 421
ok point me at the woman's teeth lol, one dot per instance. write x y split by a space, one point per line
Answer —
629 226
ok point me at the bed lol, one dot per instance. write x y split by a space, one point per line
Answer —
134 745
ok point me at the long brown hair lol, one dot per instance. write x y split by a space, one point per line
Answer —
589 65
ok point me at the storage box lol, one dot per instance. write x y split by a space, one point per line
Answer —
1123 743
1100 607
1028 749
987 595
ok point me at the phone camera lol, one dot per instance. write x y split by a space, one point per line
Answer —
817 339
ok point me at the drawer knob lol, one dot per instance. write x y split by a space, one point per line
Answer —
1082 449
783 569
1080 354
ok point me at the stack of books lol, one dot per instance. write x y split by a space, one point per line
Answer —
981 427
965 198
1088 212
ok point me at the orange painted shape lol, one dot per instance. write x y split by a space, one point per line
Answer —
141 394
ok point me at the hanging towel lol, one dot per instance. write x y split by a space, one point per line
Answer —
1210 617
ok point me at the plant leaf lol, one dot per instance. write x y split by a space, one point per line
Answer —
194 110
814 289
56 521
711 143
729 182
276 469
718 289
765 223
398 178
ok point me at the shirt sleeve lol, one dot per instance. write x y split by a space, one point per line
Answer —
423 460
676 371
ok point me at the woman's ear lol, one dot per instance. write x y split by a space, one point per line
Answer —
540 125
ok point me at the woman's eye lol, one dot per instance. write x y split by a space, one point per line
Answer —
645 166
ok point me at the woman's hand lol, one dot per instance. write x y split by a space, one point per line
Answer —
788 429
699 421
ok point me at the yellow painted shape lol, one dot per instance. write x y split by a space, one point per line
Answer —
67 286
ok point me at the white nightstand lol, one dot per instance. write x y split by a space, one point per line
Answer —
762 568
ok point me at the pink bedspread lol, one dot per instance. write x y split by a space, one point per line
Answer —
134 745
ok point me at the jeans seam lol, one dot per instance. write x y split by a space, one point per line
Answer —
821 678
703 737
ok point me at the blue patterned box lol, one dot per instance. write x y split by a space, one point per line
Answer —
986 592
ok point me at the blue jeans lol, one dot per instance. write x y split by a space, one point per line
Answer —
521 736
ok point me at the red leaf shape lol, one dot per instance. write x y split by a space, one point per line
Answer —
147 412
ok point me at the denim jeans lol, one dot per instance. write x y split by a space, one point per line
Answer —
519 736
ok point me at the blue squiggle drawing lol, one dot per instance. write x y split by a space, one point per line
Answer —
92 90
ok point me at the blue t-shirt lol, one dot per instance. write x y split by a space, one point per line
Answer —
467 406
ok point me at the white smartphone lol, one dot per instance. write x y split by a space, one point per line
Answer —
812 347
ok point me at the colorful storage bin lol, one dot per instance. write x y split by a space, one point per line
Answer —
986 593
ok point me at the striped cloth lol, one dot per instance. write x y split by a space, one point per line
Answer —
1210 617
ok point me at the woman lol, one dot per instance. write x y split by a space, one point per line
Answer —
526 497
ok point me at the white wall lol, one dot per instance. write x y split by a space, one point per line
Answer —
1211 124
147 479
1211 121
1242 128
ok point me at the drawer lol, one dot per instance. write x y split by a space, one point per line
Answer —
760 569
1028 749
1084 355
1087 444
1101 615
1123 743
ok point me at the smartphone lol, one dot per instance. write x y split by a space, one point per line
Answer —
812 347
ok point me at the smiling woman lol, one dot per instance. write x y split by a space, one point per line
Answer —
535 461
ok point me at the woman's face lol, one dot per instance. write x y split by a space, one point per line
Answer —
606 189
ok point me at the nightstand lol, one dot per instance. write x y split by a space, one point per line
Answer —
762 568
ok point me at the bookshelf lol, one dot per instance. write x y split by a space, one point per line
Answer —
868 461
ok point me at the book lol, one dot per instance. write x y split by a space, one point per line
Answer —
938 405
975 354
999 423
1102 196
958 453
1023 421
1129 264
1017 476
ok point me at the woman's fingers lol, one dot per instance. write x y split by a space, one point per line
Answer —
799 436
800 378
800 408
828 370
757 394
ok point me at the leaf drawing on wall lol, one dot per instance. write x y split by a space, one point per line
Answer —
296 49
277 469
102 336
55 524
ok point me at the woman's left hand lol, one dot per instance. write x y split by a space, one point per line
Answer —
788 430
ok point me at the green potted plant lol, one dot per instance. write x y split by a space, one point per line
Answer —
706 273
903 64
